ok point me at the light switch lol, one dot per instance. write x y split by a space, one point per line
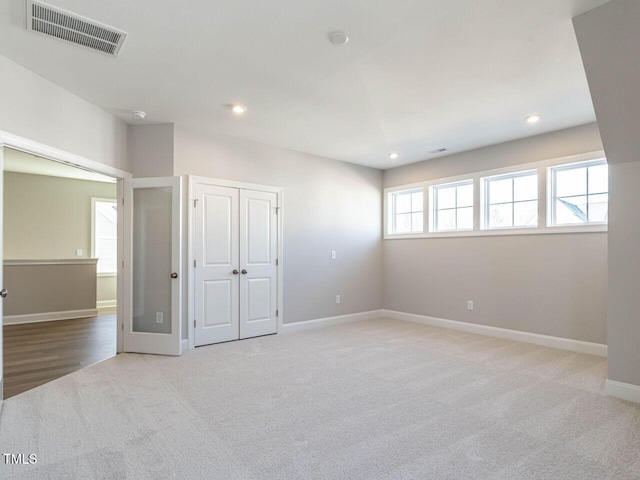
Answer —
78 252
333 255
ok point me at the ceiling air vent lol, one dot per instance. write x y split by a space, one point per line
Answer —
73 28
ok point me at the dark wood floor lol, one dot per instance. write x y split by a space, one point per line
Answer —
36 353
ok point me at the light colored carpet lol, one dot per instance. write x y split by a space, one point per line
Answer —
379 399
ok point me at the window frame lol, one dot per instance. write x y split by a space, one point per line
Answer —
95 200
390 207
551 191
485 193
544 226
433 202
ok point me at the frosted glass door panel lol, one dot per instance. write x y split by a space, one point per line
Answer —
151 299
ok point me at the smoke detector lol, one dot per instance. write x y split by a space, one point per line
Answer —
67 26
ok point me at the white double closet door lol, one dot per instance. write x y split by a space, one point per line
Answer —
236 247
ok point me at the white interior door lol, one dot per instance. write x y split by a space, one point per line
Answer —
217 264
153 284
258 266
3 292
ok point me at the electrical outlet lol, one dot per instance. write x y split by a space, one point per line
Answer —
333 255
78 252
337 299
159 317
470 305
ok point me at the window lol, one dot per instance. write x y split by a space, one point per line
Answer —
452 206
406 211
579 193
511 201
105 235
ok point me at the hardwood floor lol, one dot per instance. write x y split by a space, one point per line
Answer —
36 353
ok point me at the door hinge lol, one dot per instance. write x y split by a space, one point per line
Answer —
278 210
277 312
276 262
122 200
195 202
194 323
194 263
122 327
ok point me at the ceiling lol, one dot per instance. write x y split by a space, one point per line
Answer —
415 76
20 162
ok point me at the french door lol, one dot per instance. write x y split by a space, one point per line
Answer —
152 257
236 248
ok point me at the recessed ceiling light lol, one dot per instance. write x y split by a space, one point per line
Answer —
338 38
533 118
239 109
393 155
139 114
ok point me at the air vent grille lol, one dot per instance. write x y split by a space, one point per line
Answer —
73 28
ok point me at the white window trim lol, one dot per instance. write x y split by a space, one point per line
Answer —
544 226
392 213
551 191
484 195
93 231
433 221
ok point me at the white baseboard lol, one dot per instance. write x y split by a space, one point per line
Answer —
326 322
625 391
105 306
49 316
516 335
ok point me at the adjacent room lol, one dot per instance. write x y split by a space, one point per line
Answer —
371 240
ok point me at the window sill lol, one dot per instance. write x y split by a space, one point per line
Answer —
503 232
107 274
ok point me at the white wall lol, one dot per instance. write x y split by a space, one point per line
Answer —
35 108
610 48
547 284
328 205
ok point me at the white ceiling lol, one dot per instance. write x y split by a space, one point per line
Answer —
20 162
415 76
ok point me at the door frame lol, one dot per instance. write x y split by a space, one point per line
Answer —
191 250
26 145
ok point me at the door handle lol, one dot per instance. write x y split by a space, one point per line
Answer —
174 275
3 293
244 272
235 272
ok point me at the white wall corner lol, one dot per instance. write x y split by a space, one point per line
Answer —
329 321
624 391
504 333
184 345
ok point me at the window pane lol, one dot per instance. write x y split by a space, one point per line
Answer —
403 223
465 218
571 182
599 179
500 191
571 210
403 202
446 220
416 222
465 196
525 188
525 214
598 207
501 215
446 197
416 202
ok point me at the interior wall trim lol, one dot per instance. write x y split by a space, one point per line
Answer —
534 338
49 316
328 321
624 391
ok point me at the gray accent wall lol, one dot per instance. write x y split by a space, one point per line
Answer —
610 48
328 205
50 217
551 284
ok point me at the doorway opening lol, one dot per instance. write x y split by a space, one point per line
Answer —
60 254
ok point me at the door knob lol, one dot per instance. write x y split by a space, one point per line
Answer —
3 293
235 272
174 275
244 272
